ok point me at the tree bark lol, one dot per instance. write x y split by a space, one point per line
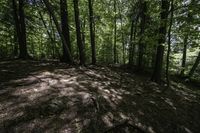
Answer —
65 29
92 32
194 66
20 27
157 74
142 30
49 8
169 43
49 34
23 46
78 33
184 56
115 33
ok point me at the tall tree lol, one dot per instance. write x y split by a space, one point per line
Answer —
78 33
183 64
141 44
49 8
20 26
65 28
169 42
132 38
161 41
194 66
92 32
115 32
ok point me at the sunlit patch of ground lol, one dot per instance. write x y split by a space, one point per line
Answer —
54 97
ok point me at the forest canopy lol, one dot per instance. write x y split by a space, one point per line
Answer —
141 33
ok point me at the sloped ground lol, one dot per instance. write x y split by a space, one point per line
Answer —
50 97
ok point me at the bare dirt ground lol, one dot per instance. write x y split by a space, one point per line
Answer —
49 97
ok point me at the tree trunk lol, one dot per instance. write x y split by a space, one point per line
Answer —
15 52
131 44
115 33
194 66
142 29
49 8
184 56
169 42
132 39
78 33
65 29
156 77
92 32
18 14
23 46
49 34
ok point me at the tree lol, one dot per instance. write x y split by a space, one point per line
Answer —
48 6
115 32
65 28
20 27
78 33
194 66
169 42
92 32
141 44
161 42
185 43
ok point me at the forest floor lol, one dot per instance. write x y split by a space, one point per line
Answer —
50 97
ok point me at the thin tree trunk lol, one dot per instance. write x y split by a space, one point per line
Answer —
132 39
131 44
157 74
49 8
92 32
194 66
15 52
122 35
49 34
23 46
184 56
142 30
169 42
115 33
18 14
78 33
65 28
54 48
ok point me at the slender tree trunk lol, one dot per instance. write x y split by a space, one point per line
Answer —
49 8
142 30
169 42
194 66
49 34
18 14
157 74
131 44
23 46
78 33
132 39
115 33
92 32
54 48
184 56
65 28
122 35
15 52
83 31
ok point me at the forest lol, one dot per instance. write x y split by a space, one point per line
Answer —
99 66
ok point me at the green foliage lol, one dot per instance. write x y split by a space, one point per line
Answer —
186 23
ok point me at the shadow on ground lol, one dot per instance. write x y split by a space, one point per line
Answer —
41 97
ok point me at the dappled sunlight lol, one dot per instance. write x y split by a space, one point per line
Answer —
87 99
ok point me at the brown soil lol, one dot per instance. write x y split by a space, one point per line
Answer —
50 97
